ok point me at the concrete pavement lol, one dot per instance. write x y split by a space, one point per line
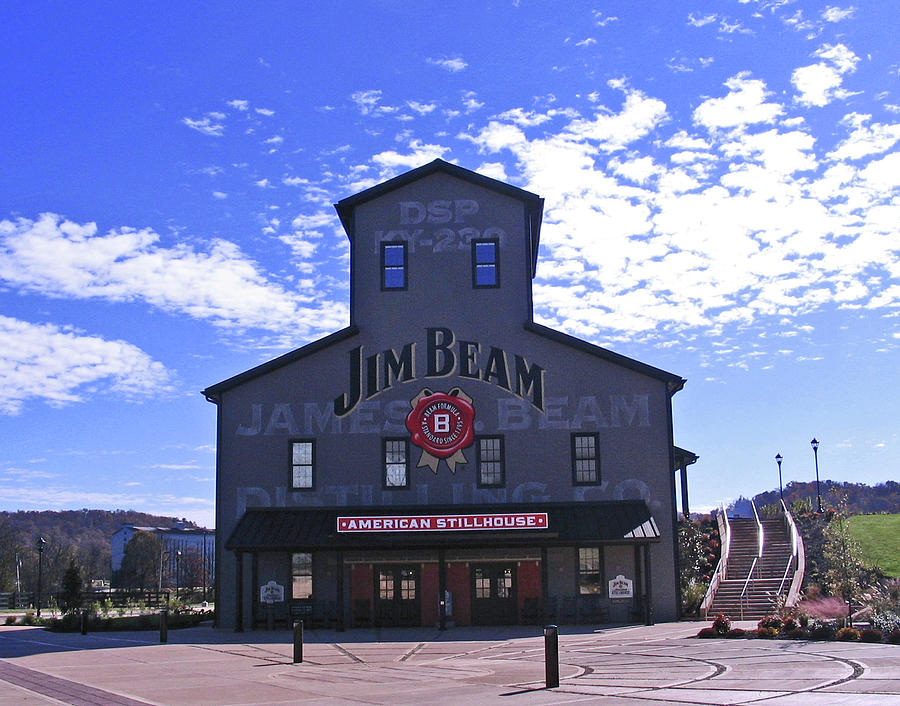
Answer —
660 664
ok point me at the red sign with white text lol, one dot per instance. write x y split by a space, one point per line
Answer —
443 523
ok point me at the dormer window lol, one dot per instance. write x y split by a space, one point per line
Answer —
393 266
486 263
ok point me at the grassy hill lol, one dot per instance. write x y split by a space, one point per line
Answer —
879 536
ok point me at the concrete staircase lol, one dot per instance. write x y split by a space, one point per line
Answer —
759 597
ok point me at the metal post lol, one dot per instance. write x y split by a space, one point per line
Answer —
815 447
40 591
551 656
298 642
164 626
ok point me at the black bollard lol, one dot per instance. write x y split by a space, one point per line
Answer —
84 621
164 626
298 642
551 656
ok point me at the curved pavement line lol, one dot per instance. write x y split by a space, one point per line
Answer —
856 671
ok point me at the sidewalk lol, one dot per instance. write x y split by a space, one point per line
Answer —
619 665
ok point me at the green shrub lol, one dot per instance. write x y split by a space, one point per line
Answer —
847 634
770 621
10 620
147 621
893 638
722 624
822 631
798 634
870 635
736 632
708 632
766 633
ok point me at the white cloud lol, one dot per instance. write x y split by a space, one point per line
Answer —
421 108
59 258
239 104
865 139
603 20
211 124
836 14
264 111
696 20
744 105
470 102
47 363
741 222
219 195
819 84
452 64
420 154
366 101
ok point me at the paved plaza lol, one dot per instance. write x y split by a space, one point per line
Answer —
661 664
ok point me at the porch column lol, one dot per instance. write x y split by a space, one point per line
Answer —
239 593
340 592
545 585
684 492
442 589
648 588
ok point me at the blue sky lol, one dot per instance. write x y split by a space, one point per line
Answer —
721 185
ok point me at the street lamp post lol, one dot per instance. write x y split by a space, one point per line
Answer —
40 592
780 487
177 572
815 447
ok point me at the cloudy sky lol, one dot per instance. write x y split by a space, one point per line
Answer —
721 185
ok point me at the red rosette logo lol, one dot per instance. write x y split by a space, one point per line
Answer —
441 424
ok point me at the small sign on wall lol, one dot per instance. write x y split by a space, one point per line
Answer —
271 593
620 587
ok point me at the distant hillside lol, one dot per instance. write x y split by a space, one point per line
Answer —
82 536
861 499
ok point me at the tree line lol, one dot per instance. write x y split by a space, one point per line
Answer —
71 537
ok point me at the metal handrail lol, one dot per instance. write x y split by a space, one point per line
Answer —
799 552
719 575
747 584
760 533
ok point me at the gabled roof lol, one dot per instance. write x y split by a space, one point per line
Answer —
213 391
534 204
673 382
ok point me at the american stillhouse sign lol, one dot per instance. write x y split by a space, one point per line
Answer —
443 523
444 448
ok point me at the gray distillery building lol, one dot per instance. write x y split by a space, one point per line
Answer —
445 460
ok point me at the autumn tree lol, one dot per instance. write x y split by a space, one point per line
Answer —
143 561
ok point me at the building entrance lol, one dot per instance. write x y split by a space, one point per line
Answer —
494 594
397 596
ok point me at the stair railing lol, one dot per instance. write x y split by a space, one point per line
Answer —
798 557
719 575
744 595
761 542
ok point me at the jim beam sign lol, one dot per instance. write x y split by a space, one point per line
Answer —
620 587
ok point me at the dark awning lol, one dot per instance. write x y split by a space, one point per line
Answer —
292 529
